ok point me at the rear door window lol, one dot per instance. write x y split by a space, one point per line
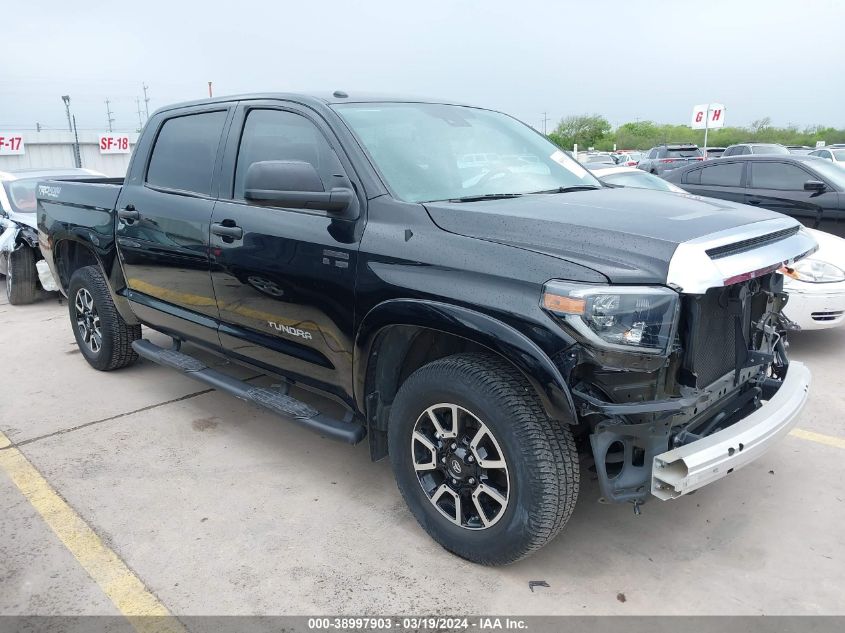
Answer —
722 175
185 152
782 176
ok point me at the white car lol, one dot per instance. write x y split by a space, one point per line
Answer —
833 154
20 257
632 177
816 285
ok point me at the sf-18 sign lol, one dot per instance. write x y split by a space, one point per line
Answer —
114 144
11 143
708 115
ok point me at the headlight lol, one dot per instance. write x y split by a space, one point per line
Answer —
627 318
814 271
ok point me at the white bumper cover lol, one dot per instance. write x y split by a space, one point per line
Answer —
682 470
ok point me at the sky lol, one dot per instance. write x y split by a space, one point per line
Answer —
625 59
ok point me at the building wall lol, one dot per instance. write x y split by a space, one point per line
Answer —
54 148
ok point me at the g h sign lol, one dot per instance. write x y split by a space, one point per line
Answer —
708 115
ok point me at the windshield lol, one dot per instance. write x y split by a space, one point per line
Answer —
21 194
641 180
428 152
769 149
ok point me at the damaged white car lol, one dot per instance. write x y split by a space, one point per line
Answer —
25 270
816 286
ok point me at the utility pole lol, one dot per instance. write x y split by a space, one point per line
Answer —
66 99
209 90
76 154
146 101
140 120
108 114
545 120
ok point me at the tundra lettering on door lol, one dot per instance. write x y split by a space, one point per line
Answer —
279 327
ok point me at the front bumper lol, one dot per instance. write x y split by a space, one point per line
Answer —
815 306
682 470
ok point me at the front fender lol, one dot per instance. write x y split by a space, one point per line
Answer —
496 336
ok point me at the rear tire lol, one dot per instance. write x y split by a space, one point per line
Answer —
510 494
21 277
104 338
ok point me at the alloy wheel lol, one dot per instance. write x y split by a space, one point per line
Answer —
460 466
88 320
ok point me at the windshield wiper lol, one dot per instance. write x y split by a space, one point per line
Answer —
486 196
568 189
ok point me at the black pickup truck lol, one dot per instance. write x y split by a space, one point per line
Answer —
479 303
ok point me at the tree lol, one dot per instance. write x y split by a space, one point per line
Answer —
586 130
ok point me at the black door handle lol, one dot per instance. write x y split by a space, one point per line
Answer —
754 201
128 213
227 231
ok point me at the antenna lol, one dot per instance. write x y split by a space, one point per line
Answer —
146 101
108 114
140 119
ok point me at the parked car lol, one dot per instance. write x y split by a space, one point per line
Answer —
664 158
470 330
741 149
801 150
713 152
808 188
628 159
631 177
20 259
603 158
816 286
832 154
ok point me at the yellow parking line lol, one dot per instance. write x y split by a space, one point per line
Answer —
829 440
116 580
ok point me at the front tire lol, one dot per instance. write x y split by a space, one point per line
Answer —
478 462
21 276
104 338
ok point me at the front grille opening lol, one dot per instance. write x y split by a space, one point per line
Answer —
727 250
827 316
710 333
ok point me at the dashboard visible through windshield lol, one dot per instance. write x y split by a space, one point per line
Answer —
427 152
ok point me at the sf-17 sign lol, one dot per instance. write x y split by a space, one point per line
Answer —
11 143
708 115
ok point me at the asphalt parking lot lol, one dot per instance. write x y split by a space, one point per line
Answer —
219 508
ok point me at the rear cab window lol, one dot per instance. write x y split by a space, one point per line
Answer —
683 152
185 152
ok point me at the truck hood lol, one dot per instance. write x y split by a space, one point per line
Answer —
629 235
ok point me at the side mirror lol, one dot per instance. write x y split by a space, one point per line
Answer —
295 184
815 185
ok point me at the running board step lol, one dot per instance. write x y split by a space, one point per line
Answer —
270 399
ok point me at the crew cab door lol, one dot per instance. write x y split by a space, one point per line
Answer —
285 277
779 186
164 213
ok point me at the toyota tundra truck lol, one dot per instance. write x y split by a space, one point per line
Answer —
481 322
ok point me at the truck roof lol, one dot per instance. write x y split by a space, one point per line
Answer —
328 98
